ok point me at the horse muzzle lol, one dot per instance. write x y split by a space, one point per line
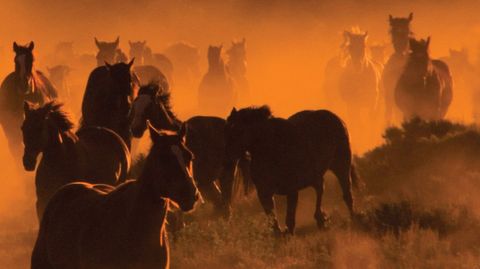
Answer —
29 161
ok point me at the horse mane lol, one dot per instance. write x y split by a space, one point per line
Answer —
254 113
59 116
161 95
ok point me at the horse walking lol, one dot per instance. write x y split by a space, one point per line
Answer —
205 138
400 33
24 84
90 226
237 66
425 88
288 155
107 99
94 154
359 87
216 93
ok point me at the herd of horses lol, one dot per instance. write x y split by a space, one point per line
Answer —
93 216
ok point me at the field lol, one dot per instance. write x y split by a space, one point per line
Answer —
418 202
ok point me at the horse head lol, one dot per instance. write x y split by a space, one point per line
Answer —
400 31
24 61
238 50
239 128
168 168
107 51
356 43
123 80
215 60
138 50
41 129
419 58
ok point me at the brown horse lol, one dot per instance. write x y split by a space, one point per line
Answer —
107 99
109 52
216 93
400 33
24 84
289 155
424 89
97 155
98 226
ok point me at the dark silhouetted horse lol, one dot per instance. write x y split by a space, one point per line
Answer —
216 93
289 155
205 138
107 99
24 84
109 52
400 33
94 154
98 226
424 89
237 66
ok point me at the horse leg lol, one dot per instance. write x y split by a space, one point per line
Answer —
342 172
292 200
211 192
268 204
319 215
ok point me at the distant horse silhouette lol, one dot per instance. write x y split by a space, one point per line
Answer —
140 51
216 93
109 52
59 77
94 154
424 89
400 33
237 66
205 138
186 62
99 226
163 63
290 155
359 86
107 99
24 84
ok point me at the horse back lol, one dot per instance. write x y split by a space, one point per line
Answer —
105 153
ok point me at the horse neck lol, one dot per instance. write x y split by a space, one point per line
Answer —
359 62
412 75
216 68
60 144
237 66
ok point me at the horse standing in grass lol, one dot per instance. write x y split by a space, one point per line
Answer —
107 99
288 155
94 154
216 93
205 138
24 84
424 89
400 33
109 52
89 226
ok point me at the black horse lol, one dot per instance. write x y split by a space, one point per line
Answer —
289 155
107 99
94 154
205 138
99 226
24 84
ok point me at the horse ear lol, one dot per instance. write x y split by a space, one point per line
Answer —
390 18
31 46
427 44
130 43
117 41
365 35
131 62
233 112
244 41
410 17
108 65
27 107
144 42
182 133
97 43
15 46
